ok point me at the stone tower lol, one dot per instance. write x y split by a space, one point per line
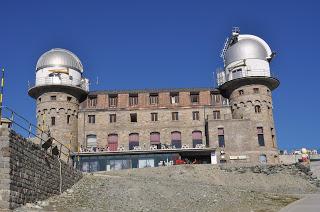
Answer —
247 81
58 90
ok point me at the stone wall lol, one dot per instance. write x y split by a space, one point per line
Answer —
27 173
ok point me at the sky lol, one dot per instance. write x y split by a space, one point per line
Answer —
167 44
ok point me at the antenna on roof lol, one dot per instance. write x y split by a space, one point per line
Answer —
235 31
97 81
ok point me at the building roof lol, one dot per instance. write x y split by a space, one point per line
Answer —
154 90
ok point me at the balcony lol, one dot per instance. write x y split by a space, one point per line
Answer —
80 83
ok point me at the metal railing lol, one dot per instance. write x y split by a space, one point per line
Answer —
31 132
82 83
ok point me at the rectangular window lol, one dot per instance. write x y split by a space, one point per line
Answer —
195 115
53 98
92 101
53 121
91 119
68 119
221 140
133 117
113 118
174 98
260 136
175 116
69 98
133 99
194 97
154 116
273 138
255 90
113 100
153 99
216 114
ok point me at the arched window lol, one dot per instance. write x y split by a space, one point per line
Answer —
176 139
155 139
91 140
196 138
257 109
133 140
113 142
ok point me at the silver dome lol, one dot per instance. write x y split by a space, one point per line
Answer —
59 57
245 49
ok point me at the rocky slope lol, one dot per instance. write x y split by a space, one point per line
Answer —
186 188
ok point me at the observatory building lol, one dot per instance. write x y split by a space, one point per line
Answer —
118 129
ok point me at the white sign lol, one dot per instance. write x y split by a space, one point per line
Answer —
239 157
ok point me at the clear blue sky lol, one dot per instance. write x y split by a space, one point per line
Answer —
168 43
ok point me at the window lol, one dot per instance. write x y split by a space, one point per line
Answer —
53 121
175 116
260 136
196 138
39 99
174 98
133 117
241 92
237 73
68 119
273 138
215 99
69 98
194 97
133 99
195 115
268 91
91 119
155 139
92 101
257 109
255 90
91 140
113 100
216 114
133 140
176 139
112 142
53 98
221 137
153 99
154 116
113 118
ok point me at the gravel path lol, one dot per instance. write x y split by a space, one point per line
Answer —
180 188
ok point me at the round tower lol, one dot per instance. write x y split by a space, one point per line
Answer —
58 90
247 81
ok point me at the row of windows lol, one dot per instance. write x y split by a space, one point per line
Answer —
255 90
154 117
175 139
155 140
216 99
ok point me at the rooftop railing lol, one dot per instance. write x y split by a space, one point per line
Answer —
82 83
32 133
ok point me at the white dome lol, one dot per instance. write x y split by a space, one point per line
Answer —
247 47
59 57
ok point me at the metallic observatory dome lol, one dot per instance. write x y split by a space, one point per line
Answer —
245 49
59 57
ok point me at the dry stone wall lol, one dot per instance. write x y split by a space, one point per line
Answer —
28 173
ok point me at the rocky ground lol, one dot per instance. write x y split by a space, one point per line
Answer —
185 188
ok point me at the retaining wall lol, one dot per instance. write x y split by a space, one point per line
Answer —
28 173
